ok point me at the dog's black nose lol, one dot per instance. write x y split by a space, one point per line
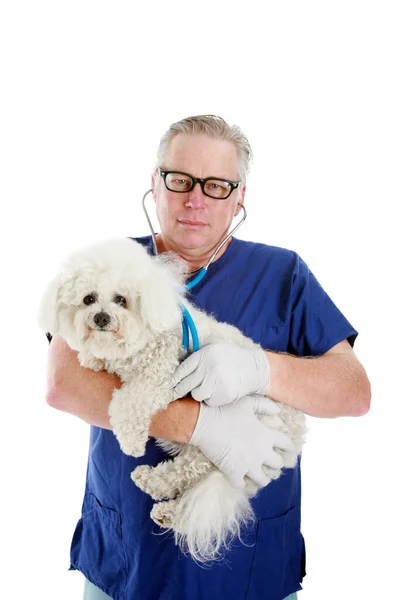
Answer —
101 319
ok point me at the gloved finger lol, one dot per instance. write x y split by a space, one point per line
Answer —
262 405
203 392
188 366
175 395
266 406
188 384
236 480
216 399
258 477
273 459
283 442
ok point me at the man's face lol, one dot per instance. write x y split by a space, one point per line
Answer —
191 221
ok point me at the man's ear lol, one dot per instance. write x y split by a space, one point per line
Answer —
154 182
242 192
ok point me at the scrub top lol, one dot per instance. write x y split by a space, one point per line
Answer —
270 294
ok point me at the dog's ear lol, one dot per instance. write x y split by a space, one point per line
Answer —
48 308
160 291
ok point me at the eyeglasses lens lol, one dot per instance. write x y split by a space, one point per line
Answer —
216 188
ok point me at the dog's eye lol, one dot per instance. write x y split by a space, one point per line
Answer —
121 300
90 299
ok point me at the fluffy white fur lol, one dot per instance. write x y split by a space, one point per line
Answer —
140 339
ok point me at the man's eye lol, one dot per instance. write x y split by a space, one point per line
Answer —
89 299
121 300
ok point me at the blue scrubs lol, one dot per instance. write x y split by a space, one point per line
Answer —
270 294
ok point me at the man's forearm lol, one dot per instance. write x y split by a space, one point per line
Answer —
87 394
331 385
177 421
78 391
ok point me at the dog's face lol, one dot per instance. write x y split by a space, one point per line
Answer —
111 299
102 315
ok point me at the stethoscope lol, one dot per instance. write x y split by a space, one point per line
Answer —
187 321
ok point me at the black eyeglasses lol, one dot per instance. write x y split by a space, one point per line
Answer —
214 187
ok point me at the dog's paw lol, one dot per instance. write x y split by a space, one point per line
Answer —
152 482
134 448
163 513
131 440
140 476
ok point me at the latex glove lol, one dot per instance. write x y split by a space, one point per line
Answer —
237 443
220 373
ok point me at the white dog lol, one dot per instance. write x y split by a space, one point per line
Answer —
119 308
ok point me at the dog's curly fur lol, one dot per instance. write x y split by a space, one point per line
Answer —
119 308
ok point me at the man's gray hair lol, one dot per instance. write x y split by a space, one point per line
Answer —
215 127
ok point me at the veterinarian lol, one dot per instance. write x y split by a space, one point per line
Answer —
270 294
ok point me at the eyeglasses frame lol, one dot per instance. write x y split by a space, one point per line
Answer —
234 184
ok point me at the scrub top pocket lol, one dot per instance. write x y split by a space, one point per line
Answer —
278 563
97 549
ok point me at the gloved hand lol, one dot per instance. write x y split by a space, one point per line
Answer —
220 373
237 443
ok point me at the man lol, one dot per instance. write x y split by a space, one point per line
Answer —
268 293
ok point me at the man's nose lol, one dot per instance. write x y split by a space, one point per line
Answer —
196 198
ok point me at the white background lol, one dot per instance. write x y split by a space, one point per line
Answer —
88 88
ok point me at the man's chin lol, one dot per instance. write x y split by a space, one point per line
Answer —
193 240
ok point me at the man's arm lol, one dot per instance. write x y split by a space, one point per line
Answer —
87 394
332 385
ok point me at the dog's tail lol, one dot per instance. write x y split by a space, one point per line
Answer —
210 516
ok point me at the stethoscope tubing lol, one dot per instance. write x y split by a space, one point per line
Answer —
187 321
226 238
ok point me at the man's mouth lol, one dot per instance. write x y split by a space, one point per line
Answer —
191 223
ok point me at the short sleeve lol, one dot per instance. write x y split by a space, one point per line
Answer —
316 323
